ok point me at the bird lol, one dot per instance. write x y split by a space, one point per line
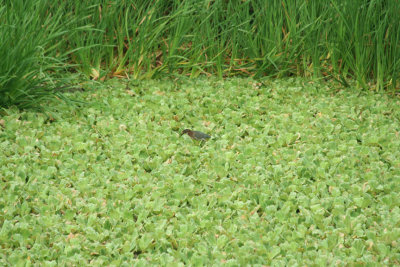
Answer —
196 135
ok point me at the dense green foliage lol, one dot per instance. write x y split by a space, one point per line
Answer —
294 173
31 54
358 39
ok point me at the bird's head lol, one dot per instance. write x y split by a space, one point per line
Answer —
186 131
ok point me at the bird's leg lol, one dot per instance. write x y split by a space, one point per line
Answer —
202 142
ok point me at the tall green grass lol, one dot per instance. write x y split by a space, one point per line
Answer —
33 51
356 40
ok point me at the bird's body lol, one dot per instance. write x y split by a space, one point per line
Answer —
197 135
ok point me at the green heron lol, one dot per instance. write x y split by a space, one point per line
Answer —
196 135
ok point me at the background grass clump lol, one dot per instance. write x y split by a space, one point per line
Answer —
341 40
294 173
